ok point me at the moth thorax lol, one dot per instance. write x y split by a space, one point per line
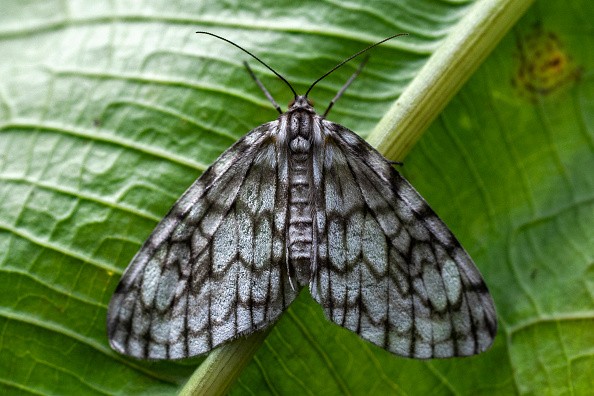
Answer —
299 145
300 123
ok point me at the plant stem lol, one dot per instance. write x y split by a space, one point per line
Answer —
457 57
455 60
222 366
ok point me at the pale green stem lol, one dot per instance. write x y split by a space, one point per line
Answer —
457 57
222 366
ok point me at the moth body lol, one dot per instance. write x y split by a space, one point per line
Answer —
301 138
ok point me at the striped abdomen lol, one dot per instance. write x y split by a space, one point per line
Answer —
300 205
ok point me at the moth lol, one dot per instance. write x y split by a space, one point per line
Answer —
301 201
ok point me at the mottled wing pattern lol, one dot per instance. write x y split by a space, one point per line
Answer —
214 268
388 268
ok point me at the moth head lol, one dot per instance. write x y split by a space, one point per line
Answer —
301 102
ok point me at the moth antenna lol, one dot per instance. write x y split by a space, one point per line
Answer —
255 57
350 58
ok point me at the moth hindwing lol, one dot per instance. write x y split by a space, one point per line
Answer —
301 201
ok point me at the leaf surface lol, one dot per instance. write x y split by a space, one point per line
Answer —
109 111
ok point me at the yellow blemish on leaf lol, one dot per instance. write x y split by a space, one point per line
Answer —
544 66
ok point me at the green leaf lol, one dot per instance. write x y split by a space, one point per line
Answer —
109 110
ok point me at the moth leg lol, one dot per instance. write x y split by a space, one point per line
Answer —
346 85
263 88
